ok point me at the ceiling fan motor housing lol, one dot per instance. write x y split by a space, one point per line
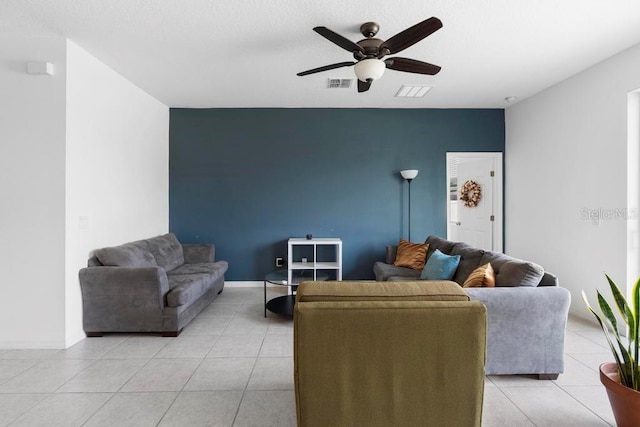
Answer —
371 48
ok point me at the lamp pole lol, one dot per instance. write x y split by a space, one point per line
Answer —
409 175
409 225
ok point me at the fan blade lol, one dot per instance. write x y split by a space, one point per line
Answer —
326 67
411 66
411 36
363 86
336 38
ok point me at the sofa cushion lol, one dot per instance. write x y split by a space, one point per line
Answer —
189 281
195 253
440 266
135 254
549 279
411 255
186 288
167 251
481 277
512 271
469 260
443 245
384 271
404 278
219 267
417 290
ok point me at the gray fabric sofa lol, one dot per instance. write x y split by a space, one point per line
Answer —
526 312
152 285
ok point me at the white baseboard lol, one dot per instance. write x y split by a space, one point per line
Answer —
248 284
32 345
244 284
75 338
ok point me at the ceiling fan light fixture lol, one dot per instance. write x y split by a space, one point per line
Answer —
369 70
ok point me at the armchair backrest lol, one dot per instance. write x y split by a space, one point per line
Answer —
388 353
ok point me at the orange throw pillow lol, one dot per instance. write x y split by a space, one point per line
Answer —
411 255
481 277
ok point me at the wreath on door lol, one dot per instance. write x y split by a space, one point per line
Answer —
470 194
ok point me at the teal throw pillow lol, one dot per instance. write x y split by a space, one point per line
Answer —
440 266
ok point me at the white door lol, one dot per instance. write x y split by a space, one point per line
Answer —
480 225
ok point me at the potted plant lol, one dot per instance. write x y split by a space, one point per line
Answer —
622 378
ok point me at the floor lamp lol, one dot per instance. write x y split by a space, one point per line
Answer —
409 175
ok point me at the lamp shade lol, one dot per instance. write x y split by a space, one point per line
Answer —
369 70
409 173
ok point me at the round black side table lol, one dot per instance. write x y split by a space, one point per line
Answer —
284 304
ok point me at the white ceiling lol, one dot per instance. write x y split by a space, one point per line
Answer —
246 53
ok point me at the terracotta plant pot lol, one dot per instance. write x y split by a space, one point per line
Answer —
625 402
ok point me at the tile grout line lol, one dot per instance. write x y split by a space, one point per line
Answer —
513 403
202 359
36 363
581 362
582 404
113 394
17 417
235 416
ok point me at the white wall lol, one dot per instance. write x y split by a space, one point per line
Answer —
83 164
566 151
117 168
32 185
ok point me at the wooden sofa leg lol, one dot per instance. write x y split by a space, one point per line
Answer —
169 334
548 376
93 334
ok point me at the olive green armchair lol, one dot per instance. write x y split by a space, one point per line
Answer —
388 354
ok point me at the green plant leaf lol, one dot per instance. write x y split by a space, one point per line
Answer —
604 329
623 369
608 313
635 303
623 307
626 354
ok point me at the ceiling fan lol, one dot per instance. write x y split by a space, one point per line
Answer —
369 65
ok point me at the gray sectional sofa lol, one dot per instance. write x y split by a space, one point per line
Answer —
152 285
527 310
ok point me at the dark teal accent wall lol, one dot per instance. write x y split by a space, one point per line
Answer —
248 179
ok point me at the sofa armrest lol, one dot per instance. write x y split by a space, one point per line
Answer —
526 328
392 252
122 297
194 253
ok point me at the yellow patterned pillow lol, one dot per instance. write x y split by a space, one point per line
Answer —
411 255
481 277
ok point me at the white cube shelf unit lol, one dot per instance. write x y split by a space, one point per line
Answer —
313 256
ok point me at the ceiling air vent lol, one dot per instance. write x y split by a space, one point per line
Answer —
339 83
413 91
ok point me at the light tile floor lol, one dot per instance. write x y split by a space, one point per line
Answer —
233 367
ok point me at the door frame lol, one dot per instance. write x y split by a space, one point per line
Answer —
498 193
